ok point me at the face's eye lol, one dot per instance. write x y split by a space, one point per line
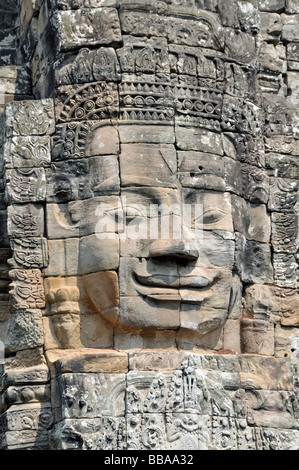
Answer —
131 215
134 215
211 216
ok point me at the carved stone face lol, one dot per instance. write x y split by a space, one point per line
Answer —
169 119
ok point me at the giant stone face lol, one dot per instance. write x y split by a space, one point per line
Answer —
149 196
157 180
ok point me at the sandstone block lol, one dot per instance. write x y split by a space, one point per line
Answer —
29 253
265 373
89 66
139 163
272 5
30 118
98 387
26 440
76 140
24 330
82 179
251 220
231 336
257 337
38 374
198 140
88 27
83 217
26 289
149 134
290 33
246 181
253 261
293 51
286 342
27 152
291 6
285 270
202 171
25 185
75 256
25 221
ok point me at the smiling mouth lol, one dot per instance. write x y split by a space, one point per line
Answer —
188 289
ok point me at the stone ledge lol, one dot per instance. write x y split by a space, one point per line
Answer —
88 361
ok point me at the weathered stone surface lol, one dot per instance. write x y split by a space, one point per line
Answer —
285 268
151 225
82 311
37 417
284 232
246 181
27 152
257 337
151 134
77 140
82 179
77 256
231 336
271 29
286 342
199 170
90 66
198 140
97 293
26 289
291 6
75 4
290 30
166 289
265 373
283 195
214 210
26 394
38 374
26 440
67 402
29 253
251 220
87 361
87 102
89 26
25 185
24 330
82 218
264 303
69 331
272 5
139 163
25 359
253 261
149 360
27 118
25 221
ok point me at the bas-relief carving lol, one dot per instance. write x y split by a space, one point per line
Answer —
165 108
199 406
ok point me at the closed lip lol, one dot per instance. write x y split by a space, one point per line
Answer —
191 288
172 282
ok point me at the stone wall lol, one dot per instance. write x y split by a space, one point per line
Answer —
15 79
152 343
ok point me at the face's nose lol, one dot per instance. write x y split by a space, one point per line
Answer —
178 244
177 250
